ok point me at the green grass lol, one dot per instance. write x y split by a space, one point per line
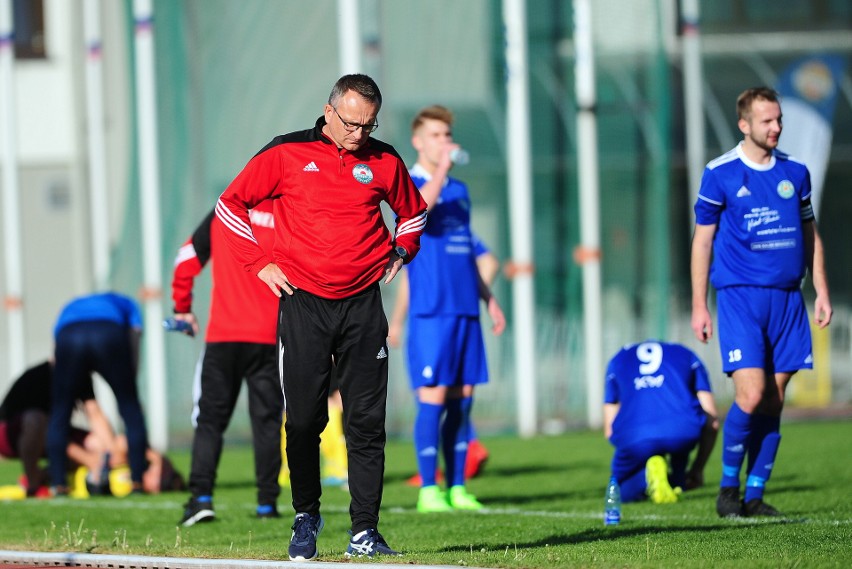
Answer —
544 499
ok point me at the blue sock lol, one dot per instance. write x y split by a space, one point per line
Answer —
454 437
205 499
762 425
738 425
762 453
426 429
264 509
471 429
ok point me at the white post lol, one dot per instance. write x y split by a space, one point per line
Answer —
13 301
588 255
98 214
693 101
149 194
349 37
520 213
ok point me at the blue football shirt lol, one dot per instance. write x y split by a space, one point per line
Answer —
443 276
102 307
758 210
655 383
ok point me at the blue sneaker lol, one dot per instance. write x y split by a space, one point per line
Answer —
303 543
369 542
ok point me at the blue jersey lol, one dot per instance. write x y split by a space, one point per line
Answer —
479 246
758 210
443 277
655 383
103 307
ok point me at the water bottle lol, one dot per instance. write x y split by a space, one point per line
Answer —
612 503
175 325
459 156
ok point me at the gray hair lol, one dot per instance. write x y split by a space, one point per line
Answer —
361 84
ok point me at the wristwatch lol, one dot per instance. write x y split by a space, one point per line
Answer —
401 252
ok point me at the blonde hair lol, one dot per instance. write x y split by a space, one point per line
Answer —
434 112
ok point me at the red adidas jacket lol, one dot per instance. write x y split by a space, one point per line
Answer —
242 308
330 237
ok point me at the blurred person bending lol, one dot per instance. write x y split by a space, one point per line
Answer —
96 333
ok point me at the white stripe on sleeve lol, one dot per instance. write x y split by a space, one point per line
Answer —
185 253
234 223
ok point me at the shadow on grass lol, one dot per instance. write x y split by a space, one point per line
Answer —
610 533
598 534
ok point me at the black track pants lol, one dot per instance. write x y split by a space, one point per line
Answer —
224 365
353 330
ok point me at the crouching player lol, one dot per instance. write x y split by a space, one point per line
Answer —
658 404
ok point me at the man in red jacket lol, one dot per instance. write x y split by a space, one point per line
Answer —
240 343
332 249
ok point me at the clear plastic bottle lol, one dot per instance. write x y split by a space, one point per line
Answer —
459 156
612 503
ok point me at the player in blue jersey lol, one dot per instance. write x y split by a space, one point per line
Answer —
446 352
488 266
97 333
754 217
658 403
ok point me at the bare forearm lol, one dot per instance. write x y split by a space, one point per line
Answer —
700 270
817 265
431 190
815 258
702 249
487 265
610 410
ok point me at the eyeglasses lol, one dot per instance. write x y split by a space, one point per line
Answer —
353 126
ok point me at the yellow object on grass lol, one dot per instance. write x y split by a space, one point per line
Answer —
12 492
120 483
77 488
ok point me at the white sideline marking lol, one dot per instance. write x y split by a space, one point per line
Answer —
141 562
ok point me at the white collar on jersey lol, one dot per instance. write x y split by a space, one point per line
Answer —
754 165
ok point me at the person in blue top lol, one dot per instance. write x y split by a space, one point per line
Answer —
754 218
488 266
658 403
96 333
446 352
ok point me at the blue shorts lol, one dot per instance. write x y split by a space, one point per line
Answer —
764 328
446 350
